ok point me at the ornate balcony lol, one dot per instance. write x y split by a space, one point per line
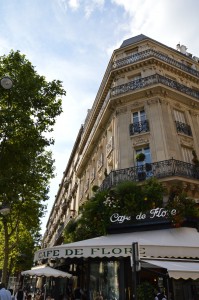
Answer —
183 128
138 127
162 169
150 53
151 80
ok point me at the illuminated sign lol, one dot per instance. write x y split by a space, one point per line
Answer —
152 214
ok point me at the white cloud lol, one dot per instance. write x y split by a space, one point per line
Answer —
74 4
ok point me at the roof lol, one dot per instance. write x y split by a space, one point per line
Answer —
134 40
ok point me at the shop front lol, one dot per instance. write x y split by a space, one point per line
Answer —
167 258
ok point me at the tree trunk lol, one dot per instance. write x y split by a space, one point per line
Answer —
4 278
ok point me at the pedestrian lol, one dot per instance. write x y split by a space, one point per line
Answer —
12 295
20 295
160 295
78 293
4 293
99 296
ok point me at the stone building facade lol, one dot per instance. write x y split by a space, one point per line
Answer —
148 101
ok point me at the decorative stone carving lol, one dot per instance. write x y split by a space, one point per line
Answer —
141 140
152 101
186 141
193 104
193 113
122 110
149 93
135 105
163 101
177 105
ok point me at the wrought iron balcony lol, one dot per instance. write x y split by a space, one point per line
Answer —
162 169
138 127
156 54
183 128
151 80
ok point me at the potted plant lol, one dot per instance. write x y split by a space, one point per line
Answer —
148 167
140 157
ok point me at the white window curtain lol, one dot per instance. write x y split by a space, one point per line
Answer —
179 116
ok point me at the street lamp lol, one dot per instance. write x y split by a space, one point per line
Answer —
4 209
6 83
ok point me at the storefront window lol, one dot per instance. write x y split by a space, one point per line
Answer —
104 280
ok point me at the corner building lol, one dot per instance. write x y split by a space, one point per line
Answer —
148 101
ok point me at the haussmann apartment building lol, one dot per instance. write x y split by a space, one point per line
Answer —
148 101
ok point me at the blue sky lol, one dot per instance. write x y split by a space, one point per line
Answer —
72 40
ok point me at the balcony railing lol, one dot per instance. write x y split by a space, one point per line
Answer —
138 127
183 128
151 80
152 53
162 169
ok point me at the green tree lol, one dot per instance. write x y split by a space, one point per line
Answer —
184 205
92 221
27 116
127 198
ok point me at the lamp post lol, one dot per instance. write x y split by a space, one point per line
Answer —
6 84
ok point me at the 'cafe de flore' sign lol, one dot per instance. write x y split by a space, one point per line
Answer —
154 213
92 247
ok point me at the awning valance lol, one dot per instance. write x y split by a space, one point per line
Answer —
177 269
174 242
45 271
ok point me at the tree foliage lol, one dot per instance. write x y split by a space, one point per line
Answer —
127 198
184 205
27 116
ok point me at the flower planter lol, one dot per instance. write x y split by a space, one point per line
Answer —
140 157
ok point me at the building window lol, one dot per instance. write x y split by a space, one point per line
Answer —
147 152
179 116
108 284
139 123
92 176
180 122
144 168
109 146
100 162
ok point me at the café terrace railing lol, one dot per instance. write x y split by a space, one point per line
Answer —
161 169
156 54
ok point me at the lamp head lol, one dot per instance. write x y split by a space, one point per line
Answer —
6 83
5 211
